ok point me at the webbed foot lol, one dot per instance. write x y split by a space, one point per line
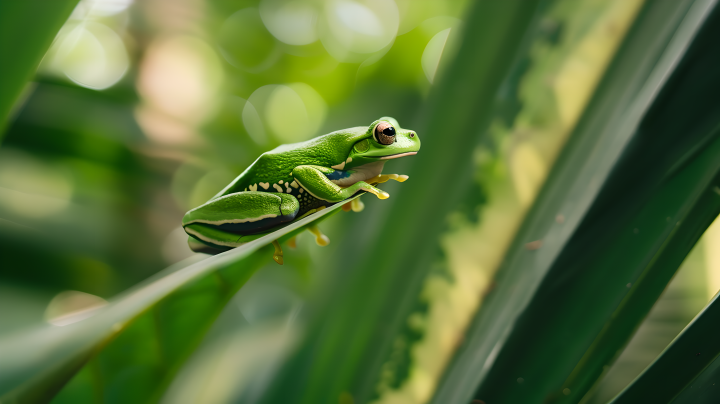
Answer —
321 239
278 254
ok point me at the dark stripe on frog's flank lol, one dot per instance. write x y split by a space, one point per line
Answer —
338 175
255 227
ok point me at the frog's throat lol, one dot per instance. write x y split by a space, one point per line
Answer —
361 173
394 156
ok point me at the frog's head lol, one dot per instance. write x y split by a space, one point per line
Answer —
384 140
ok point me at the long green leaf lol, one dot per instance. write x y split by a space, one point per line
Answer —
621 186
356 325
142 338
27 28
687 371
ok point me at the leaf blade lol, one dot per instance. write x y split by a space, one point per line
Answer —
37 363
27 28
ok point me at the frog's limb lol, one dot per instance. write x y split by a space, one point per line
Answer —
347 207
387 177
292 242
313 180
211 237
357 205
278 254
243 213
221 240
321 239
200 247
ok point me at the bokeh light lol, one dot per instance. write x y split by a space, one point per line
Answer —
350 30
287 113
433 52
293 22
246 43
92 55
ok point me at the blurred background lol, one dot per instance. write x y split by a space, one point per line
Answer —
142 110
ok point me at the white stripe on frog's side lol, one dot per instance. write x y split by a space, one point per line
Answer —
219 222
253 187
265 185
339 166
361 173
349 159
211 241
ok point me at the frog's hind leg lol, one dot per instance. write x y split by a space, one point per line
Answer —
226 222
200 247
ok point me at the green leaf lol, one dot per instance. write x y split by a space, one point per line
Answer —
634 189
356 323
687 370
142 338
27 28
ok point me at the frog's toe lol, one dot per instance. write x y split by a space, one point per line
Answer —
278 254
387 177
292 242
321 239
347 207
357 205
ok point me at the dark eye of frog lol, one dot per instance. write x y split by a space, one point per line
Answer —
384 133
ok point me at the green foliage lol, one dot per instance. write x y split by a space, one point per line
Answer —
351 337
28 29
569 164
141 339
614 252
694 355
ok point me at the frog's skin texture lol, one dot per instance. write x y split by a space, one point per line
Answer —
295 180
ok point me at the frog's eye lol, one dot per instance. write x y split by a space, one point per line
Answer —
384 133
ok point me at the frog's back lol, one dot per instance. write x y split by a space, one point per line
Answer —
277 164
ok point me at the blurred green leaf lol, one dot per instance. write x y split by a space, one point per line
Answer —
141 339
687 371
355 326
634 190
27 28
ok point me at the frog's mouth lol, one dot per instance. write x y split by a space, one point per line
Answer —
394 156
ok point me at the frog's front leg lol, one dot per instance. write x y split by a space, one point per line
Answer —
314 180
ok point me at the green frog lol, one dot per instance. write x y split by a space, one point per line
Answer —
296 180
